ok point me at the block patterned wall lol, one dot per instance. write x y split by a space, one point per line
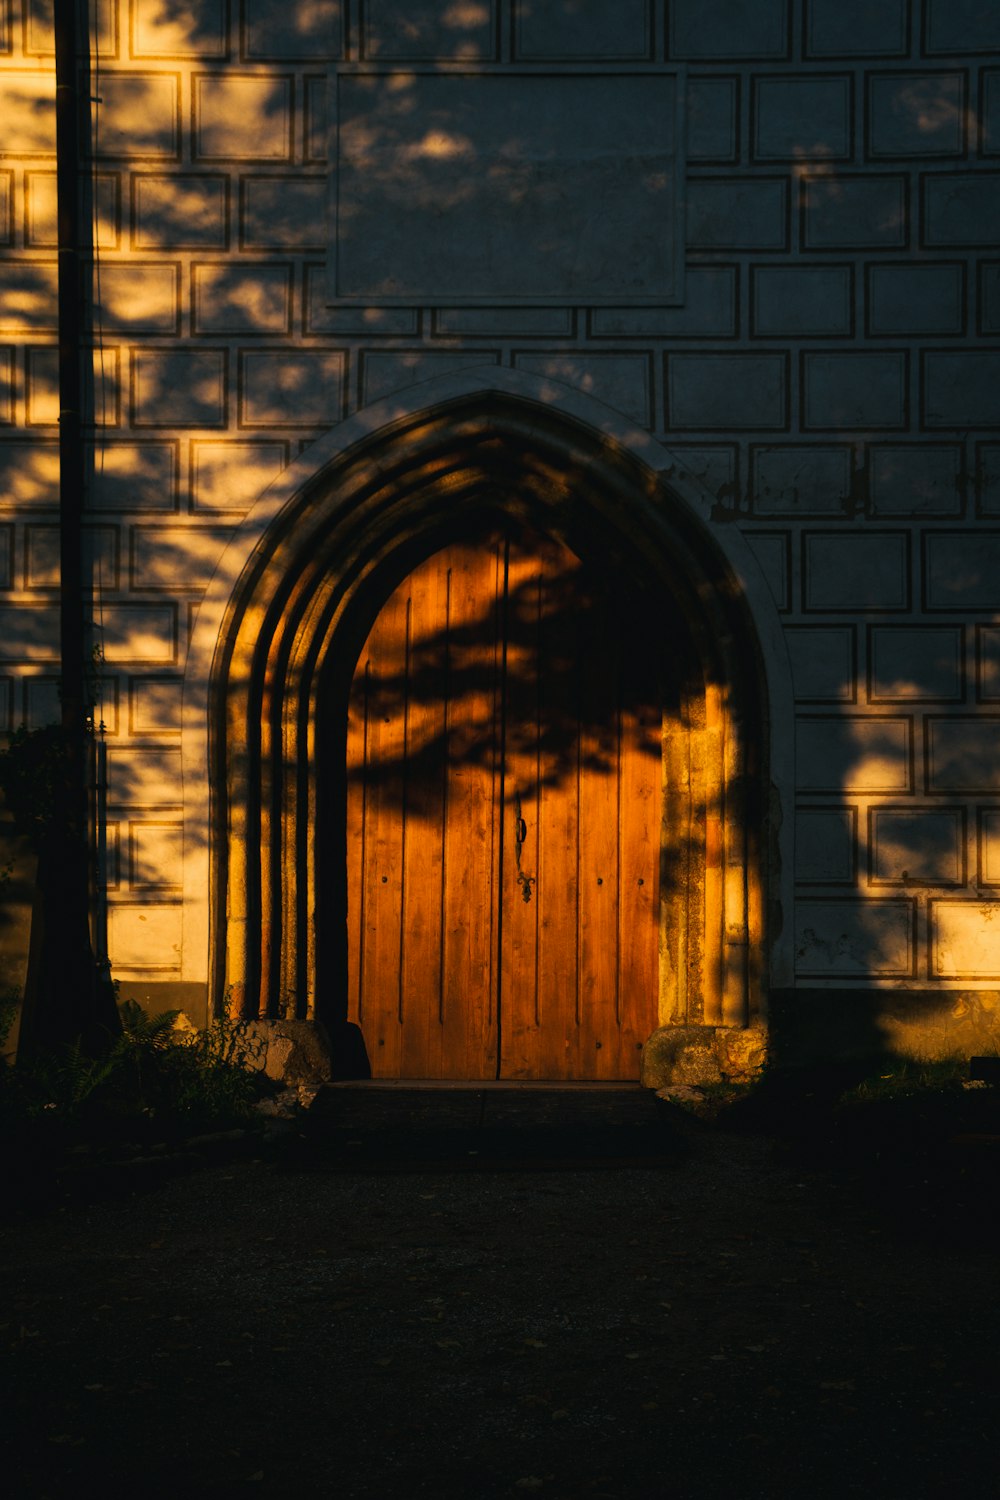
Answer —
833 376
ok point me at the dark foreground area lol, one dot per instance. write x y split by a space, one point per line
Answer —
711 1319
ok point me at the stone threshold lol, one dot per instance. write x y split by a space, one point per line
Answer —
490 1085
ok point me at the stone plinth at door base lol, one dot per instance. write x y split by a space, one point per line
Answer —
295 1053
694 1055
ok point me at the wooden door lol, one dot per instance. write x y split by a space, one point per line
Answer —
504 771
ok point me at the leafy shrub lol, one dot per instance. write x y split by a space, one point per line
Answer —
202 1076
183 1078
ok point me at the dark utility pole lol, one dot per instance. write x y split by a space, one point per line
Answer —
68 1000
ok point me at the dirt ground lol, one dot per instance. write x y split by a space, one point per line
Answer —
722 1323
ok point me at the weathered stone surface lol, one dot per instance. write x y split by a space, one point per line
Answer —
961 1024
680 1055
295 1052
686 1098
679 1060
741 1052
803 480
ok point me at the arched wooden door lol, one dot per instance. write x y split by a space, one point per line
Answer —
503 829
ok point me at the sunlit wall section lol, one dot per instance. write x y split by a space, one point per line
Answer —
206 179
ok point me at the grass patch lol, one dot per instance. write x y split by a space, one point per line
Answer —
900 1107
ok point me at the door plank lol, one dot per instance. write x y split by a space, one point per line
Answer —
380 1000
422 771
424 1050
640 801
599 935
469 926
357 757
519 866
558 886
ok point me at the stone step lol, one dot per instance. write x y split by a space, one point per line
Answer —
480 1124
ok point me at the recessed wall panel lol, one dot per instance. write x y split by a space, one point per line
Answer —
961 753
134 476
293 388
802 479
961 570
438 202
621 381
916 663
823 662
915 479
825 845
917 846
383 374
231 476
859 571
427 31
854 939
145 939
852 753
965 939
579 30
989 846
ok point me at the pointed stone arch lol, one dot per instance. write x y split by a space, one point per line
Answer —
300 585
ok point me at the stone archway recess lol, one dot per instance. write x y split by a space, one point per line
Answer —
296 593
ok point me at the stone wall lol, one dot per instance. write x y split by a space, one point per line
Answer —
828 365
